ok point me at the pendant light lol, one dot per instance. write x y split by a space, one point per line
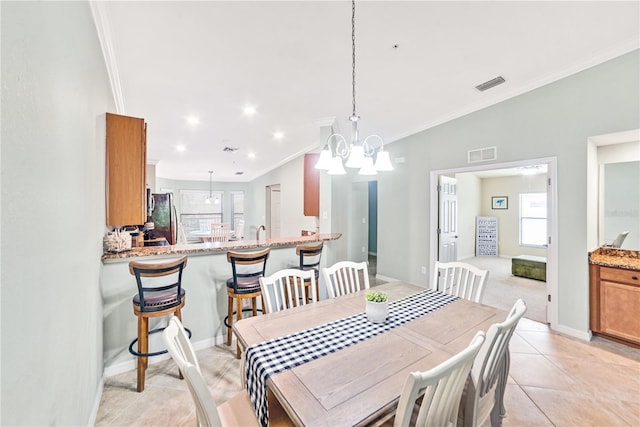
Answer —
208 199
359 155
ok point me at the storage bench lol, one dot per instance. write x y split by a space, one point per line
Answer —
529 266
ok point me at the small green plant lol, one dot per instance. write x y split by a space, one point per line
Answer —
376 296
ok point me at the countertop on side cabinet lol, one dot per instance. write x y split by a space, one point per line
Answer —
213 248
616 258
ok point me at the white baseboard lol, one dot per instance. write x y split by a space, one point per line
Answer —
96 403
131 364
582 335
386 279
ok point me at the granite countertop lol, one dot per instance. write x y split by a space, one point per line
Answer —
213 248
617 258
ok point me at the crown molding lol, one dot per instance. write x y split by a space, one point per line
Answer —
100 12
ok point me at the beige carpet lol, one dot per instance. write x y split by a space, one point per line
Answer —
504 289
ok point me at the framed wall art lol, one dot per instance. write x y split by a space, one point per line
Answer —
500 202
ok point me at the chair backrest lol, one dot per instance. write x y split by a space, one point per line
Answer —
309 255
286 289
158 279
460 279
346 277
486 368
239 231
442 388
220 231
248 266
177 342
619 239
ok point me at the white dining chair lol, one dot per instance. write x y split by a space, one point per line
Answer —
346 277
220 232
287 289
236 411
440 389
483 397
460 279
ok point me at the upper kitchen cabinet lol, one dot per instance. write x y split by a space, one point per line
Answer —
311 185
126 170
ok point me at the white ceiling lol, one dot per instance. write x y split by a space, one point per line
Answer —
291 60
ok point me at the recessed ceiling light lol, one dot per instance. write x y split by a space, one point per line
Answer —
278 135
193 120
181 148
249 110
252 155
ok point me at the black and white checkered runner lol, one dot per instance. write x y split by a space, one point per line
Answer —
279 354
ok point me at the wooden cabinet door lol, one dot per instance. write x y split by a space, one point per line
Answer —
126 170
311 185
619 308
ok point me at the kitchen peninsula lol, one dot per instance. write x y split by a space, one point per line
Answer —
204 280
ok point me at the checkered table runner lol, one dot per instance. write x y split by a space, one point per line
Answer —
279 354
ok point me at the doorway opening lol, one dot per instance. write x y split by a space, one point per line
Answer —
500 198
273 211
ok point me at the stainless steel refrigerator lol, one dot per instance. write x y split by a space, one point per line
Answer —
163 215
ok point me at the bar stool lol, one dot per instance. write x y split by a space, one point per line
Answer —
309 255
156 297
247 268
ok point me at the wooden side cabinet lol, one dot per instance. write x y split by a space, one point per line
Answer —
126 170
614 298
311 185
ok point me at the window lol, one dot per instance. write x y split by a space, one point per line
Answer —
196 214
533 219
237 207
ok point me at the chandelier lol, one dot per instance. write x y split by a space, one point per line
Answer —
358 155
209 199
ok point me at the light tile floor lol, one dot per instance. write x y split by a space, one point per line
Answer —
554 380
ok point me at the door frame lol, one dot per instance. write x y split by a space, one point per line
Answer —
552 221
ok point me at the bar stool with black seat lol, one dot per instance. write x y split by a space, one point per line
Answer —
247 268
309 255
160 293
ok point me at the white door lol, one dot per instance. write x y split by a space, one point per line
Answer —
447 219
273 211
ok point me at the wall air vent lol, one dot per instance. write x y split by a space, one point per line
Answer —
482 155
491 83
229 149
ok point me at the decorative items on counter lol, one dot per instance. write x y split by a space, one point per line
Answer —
116 241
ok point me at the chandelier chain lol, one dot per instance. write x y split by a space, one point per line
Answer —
353 55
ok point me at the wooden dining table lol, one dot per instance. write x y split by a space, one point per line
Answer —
362 382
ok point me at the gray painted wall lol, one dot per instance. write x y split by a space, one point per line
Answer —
554 120
55 92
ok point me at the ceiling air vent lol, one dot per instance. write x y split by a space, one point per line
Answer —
239 173
229 149
491 83
482 155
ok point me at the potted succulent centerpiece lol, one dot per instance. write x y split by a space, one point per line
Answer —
377 306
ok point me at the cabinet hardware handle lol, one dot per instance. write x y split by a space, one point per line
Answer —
634 277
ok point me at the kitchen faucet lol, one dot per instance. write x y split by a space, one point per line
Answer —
262 227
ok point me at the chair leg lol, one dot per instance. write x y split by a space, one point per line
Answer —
238 318
143 347
230 320
254 306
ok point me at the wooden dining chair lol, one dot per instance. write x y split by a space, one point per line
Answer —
236 411
440 389
346 277
460 279
484 394
287 289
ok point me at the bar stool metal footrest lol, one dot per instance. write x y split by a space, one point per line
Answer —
157 353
